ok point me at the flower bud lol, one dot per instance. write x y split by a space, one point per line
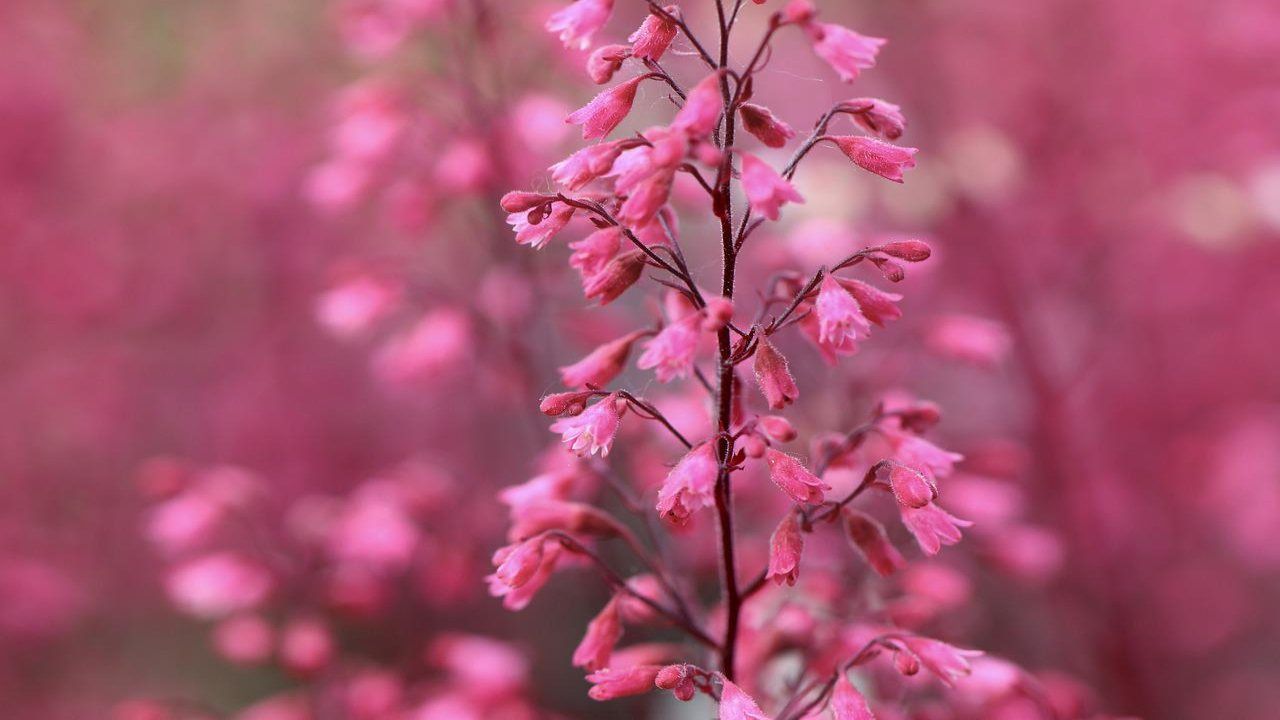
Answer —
520 201
909 250
605 61
761 122
613 684
621 273
777 427
566 403
775 381
870 539
678 679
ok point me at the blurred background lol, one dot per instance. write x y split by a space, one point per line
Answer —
268 351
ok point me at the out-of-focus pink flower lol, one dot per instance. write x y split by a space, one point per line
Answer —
847 703
599 117
536 235
701 109
337 185
278 707
573 517
654 35
601 365
972 339
793 478
670 353
38 601
592 253
519 563
463 167
777 427
614 684
579 22
647 199
877 116
351 307
870 538
875 304
847 52
839 315
435 343
374 532
798 11
916 452
932 526
306 646
717 313
487 668
373 695
603 633
761 122
690 485
371 118
593 430
876 156
773 377
617 276
606 60
217 585
585 165
244 639
765 189
735 704
785 546
945 661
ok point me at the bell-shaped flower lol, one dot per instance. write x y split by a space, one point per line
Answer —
607 110
876 156
601 365
670 353
766 190
579 22
793 478
592 431
773 377
847 52
690 485
785 546
932 526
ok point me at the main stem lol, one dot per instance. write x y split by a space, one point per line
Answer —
724 389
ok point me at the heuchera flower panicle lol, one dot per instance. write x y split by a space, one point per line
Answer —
726 454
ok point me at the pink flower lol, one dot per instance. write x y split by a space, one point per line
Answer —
517 598
679 680
690 485
876 305
621 273
350 308
611 684
847 703
789 474
737 705
971 339
585 165
839 315
761 122
766 190
306 646
593 252
487 668
915 451
875 156
374 532
671 352
599 117
932 527
717 313
573 517
947 662
647 199
536 235
593 430
654 36
785 546
566 403
603 633
877 116
217 585
579 22
773 377
601 365
910 487
702 108
799 11
777 427
244 639
518 563
909 250
831 350
606 60
847 52
870 539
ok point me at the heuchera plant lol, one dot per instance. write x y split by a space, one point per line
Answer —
623 187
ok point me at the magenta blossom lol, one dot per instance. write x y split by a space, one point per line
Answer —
875 156
847 52
601 365
670 353
579 22
785 546
932 526
605 111
945 661
735 704
690 485
793 478
839 315
765 188
654 35
592 431
612 684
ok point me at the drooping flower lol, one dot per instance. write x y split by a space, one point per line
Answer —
785 546
585 165
579 22
593 252
593 430
612 684
654 35
870 539
647 199
831 351
773 377
519 598
217 585
777 427
766 190
617 276
847 703
717 313
606 60
603 633
519 562
536 235
601 365
574 517
839 315
969 338
916 452
690 485
607 110
910 487
735 704
670 353
678 679
909 250
876 305
847 52
876 156
761 122
793 478
877 116
932 526
702 108
947 662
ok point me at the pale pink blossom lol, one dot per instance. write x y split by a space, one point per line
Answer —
464 166
603 633
671 352
916 452
910 487
875 156
575 517
306 646
877 116
717 313
766 190
946 662
777 428
702 108
785 546
605 111
847 703
579 22
374 532
761 122
971 339
606 60
438 341
651 40
932 526
538 234
351 307
601 365
518 598
735 704
839 315
593 252
870 539
373 695
617 276
875 304
773 377
593 431
690 485
217 585
830 349
646 199
613 684
793 478
487 668
518 563
909 250
585 165
847 52
244 639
